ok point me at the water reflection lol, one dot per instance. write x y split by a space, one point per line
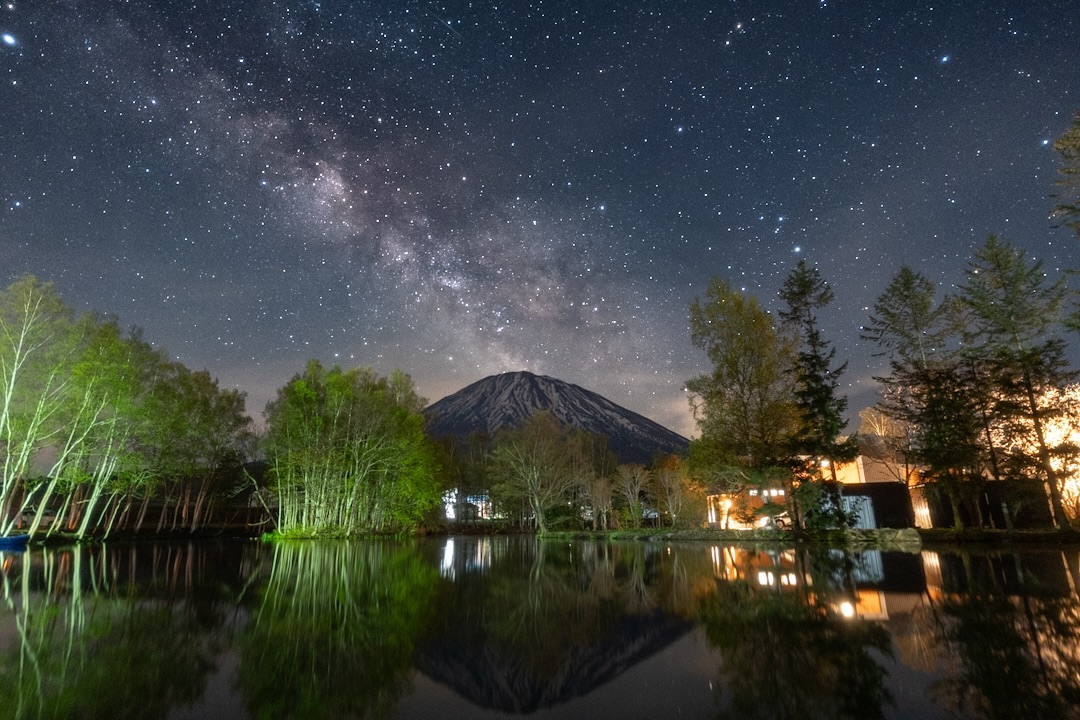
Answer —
531 624
1014 624
509 626
335 631
789 642
92 633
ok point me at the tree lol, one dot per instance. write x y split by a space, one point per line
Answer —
465 462
1068 206
98 456
533 466
744 407
88 403
931 390
820 406
631 482
1015 315
348 453
889 440
948 434
1068 199
593 467
908 323
209 438
674 491
599 492
38 341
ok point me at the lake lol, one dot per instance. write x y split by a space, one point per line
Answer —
498 627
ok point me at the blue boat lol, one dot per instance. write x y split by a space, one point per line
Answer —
13 542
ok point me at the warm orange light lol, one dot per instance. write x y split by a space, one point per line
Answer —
1061 430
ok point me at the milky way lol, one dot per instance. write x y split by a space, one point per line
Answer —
461 189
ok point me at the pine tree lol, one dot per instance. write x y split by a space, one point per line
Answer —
1015 315
821 406
931 388
1068 199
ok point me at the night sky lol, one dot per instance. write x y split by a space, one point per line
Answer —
460 189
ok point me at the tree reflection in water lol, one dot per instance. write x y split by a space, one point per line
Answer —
90 641
786 650
335 632
515 625
1018 652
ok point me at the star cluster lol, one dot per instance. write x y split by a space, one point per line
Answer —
459 189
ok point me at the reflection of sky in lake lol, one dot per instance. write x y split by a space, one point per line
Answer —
674 683
502 627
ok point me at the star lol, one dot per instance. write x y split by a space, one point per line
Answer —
393 186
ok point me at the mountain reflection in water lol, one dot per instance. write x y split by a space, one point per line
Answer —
505 626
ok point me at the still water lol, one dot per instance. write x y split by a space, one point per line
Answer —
498 627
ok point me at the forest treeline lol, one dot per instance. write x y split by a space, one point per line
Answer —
99 431
978 387
102 433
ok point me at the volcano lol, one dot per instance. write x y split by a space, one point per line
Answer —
507 400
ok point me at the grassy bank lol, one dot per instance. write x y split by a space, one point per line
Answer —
885 539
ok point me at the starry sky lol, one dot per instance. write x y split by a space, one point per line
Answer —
459 189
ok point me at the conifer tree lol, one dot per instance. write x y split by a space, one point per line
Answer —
931 388
1015 317
1068 198
821 406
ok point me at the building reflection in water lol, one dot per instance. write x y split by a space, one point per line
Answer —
515 624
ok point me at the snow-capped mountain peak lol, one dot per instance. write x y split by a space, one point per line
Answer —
507 400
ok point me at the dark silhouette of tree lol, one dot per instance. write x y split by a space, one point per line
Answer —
817 439
1013 318
534 467
931 389
1068 197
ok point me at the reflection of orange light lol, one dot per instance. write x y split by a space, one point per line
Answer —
867 605
932 568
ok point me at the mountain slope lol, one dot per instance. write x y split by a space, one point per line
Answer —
507 400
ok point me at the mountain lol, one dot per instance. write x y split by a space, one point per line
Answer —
507 400
494 677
